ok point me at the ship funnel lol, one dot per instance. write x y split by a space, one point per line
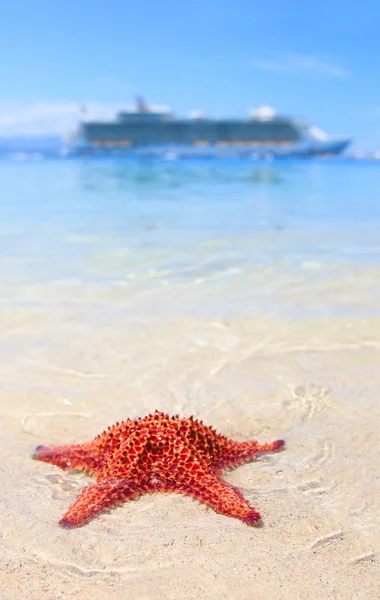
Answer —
196 114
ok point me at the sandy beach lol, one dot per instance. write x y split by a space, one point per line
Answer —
314 384
245 295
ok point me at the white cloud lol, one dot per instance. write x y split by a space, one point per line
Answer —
50 117
296 63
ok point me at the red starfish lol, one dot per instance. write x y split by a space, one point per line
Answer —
157 453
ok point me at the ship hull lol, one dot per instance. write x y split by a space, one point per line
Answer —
300 149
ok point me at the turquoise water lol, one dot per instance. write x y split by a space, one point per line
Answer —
289 239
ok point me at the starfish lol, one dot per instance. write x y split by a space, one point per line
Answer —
156 453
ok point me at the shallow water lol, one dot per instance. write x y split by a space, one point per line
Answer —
245 293
290 239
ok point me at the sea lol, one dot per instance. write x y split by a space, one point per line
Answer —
293 239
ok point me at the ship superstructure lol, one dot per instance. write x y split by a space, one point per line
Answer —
153 131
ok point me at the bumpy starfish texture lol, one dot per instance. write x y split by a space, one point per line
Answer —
156 453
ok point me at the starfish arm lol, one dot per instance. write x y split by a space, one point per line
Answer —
224 498
236 453
96 498
76 456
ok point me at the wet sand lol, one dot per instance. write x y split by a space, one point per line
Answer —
65 377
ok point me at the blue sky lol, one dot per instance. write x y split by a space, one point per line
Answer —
313 60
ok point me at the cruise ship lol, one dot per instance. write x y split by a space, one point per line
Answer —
154 131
